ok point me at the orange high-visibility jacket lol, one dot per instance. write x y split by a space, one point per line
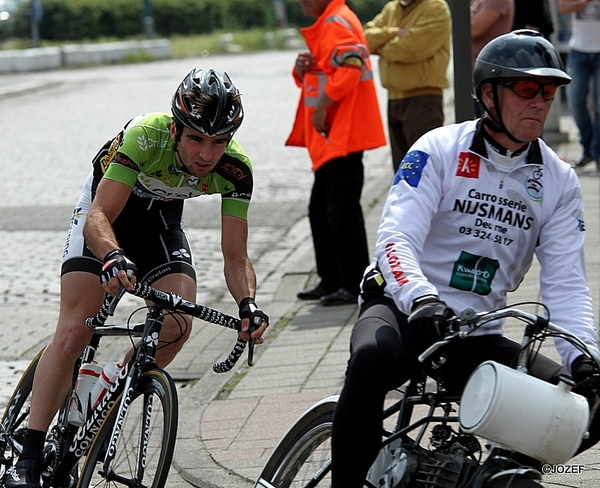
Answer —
337 42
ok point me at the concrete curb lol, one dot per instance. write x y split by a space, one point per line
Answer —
71 55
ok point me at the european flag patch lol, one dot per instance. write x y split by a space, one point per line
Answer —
411 167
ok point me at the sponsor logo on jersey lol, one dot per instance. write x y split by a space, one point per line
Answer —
145 143
411 168
468 165
474 273
193 181
142 143
394 263
181 254
497 208
107 158
233 170
534 186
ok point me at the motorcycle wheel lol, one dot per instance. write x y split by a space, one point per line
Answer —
513 483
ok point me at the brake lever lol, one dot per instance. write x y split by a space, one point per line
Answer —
253 327
436 345
115 300
250 352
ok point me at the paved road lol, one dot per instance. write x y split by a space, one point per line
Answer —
51 131
54 122
54 129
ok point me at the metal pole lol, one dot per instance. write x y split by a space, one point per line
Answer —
464 107
147 19
34 23
280 13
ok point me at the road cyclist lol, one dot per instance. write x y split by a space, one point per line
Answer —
127 227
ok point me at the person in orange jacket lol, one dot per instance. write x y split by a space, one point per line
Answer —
338 118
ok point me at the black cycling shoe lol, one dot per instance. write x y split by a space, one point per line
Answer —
314 294
339 297
21 475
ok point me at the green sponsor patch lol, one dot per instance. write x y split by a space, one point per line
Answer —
474 273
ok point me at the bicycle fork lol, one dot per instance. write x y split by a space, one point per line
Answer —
145 352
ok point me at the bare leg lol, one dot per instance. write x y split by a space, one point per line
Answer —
54 372
81 297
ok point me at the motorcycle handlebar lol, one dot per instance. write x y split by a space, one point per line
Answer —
535 324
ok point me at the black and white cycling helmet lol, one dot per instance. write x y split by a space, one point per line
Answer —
224 113
519 55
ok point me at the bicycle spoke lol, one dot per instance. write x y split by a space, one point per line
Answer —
142 455
303 459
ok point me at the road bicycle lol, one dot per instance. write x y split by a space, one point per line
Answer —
434 438
128 439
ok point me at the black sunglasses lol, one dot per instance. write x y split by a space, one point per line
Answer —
529 88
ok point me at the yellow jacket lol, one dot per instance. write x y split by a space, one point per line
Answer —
343 71
415 63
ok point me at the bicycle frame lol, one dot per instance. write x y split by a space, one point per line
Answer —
144 358
101 438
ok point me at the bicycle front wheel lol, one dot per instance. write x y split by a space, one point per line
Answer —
302 458
144 449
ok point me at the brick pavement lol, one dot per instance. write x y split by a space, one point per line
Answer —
305 362
224 441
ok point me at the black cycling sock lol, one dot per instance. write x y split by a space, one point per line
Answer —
33 449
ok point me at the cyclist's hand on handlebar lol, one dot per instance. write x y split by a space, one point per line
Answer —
254 321
117 270
585 374
429 318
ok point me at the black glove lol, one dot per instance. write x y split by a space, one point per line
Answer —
114 262
249 310
586 376
429 318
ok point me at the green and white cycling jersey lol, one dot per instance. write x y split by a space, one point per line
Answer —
145 141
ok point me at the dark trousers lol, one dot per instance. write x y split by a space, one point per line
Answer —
337 223
409 119
383 355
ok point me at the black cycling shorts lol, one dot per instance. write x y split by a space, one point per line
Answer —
148 231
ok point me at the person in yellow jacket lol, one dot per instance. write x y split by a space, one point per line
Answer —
338 118
412 39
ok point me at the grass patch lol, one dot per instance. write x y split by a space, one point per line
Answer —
250 40
221 42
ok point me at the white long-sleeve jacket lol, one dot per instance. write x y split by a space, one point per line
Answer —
457 226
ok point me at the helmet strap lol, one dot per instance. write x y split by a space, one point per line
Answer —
178 132
497 125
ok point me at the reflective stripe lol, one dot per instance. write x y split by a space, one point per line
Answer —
341 53
311 101
367 75
341 20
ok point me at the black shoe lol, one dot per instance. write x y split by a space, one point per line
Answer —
340 297
21 475
314 294
584 161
